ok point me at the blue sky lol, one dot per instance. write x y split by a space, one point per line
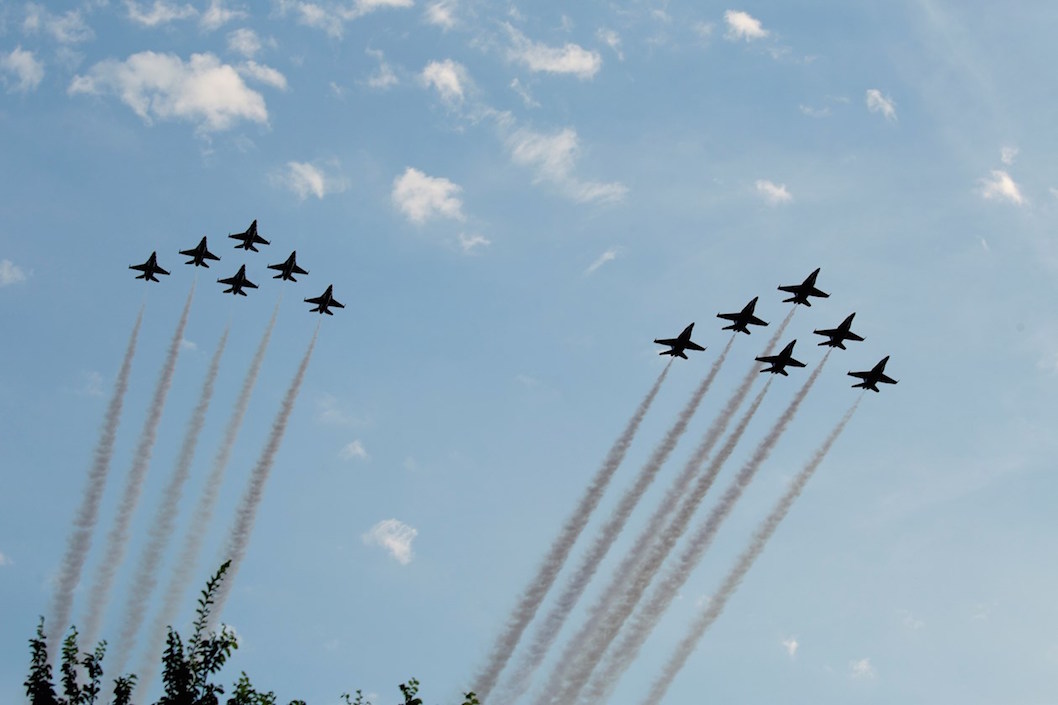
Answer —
513 200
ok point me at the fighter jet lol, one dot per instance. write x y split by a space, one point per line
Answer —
249 238
780 362
869 379
236 283
838 336
802 291
324 301
679 344
199 255
149 268
742 318
288 269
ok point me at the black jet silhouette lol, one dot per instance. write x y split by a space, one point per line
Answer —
288 269
249 238
679 344
870 378
324 301
743 318
780 362
838 336
149 268
802 291
237 282
199 254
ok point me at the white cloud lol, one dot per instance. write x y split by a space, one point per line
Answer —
218 14
524 94
5 561
423 197
332 414
570 58
704 30
305 180
68 28
815 112
244 41
862 669
354 451
162 86
609 256
91 384
442 14
162 12
554 156
1001 187
469 243
331 18
262 74
186 344
877 103
448 78
742 25
791 646
1007 155
910 621
24 67
773 194
394 536
11 273
384 77
611 39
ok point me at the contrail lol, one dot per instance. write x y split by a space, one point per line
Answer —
146 574
81 539
608 618
745 561
239 537
141 461
563 544
578 653
643 622
552 625
185 565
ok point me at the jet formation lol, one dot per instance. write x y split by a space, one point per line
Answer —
239 282
740 322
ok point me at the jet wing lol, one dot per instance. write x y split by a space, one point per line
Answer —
299 270
816 292
139 267
795 363
887 379
159 270
692 346
335 303
660 341
757 321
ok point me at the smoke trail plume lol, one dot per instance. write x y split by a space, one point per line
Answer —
81 538
196 533
563 544
608 617
162 528
742 566
245 515
578 653
643 622
552 624
141 461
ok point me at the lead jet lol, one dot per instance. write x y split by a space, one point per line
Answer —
324 301
288 269
679 344
743 318
780 362
869 379
199 255
236 283
249 238
149 268
802 291
838 336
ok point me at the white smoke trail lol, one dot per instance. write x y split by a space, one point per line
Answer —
642 624
85 520
239 537
184 567
579 657
118 537
161 530
563 544
548 631
597 634
742 566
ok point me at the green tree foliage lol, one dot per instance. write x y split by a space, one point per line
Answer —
186 670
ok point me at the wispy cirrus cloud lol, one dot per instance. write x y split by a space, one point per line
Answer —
330 17
611 39
553 157
878 103
470 243
772 193
305 179
353 451
1007 155
160 13
394 536
219 14
422 198
5 561
11 273
441 14
20 71
999 186
791 646
384 77
449 78
609 256
862 669
67 28
570 58
262 74
742 25
244 41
